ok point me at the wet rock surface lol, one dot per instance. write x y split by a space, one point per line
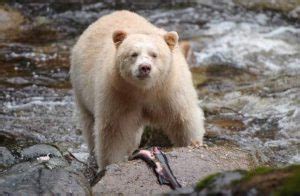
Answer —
188 165
47 172
244 58
263 123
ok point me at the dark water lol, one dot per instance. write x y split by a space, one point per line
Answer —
245 63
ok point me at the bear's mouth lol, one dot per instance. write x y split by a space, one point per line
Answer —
143 76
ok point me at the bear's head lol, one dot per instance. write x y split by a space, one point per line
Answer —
144 59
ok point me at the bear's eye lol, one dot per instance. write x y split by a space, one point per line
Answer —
135 54
154 55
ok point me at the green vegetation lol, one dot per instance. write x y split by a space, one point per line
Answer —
257 171
265 180
206 182
292 185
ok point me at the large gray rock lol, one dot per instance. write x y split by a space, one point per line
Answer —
189 166
35 178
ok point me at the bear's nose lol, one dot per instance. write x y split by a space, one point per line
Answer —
144 69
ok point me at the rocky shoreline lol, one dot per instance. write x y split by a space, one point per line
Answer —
43 169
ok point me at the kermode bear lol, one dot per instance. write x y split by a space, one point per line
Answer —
127 73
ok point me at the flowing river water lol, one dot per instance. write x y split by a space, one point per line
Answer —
245 64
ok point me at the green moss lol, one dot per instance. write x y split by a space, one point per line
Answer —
265 180
258 171
206 182
254 172
292 184
289 185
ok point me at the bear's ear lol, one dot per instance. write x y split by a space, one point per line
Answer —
186 49
171 39
118 37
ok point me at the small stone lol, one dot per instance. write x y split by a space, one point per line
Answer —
44 158
39 150
81 156
56 162
113 168
6 158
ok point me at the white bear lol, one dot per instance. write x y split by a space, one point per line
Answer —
126 73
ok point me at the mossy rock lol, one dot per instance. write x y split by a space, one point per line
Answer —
206 181
259 181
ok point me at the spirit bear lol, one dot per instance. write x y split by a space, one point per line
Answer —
126 73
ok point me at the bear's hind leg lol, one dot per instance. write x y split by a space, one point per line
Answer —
87 126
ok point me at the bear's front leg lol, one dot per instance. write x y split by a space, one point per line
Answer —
116 140
186 126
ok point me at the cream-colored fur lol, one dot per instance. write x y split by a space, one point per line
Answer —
114 105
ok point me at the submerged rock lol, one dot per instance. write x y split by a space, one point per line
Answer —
278 5
144 4
188 166
10 21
